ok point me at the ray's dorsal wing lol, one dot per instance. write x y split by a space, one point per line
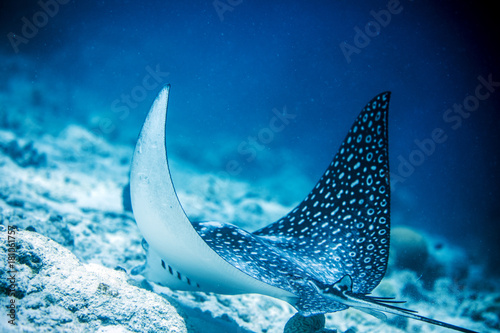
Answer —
342 227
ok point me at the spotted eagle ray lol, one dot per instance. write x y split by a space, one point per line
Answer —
326 255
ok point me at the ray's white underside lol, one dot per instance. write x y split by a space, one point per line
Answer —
174 239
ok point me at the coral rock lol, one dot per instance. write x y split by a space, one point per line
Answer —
54 291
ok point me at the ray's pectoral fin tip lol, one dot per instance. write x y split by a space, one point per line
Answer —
326 255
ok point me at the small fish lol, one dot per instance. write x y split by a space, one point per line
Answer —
326 255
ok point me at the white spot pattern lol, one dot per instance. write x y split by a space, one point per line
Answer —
344 223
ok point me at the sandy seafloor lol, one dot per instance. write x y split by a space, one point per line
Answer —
67 184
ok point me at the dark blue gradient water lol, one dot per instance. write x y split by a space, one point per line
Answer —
232 62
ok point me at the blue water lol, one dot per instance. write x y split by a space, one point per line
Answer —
230 66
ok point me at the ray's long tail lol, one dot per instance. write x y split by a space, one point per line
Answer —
376 305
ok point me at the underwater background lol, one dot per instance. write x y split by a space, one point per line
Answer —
234 65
